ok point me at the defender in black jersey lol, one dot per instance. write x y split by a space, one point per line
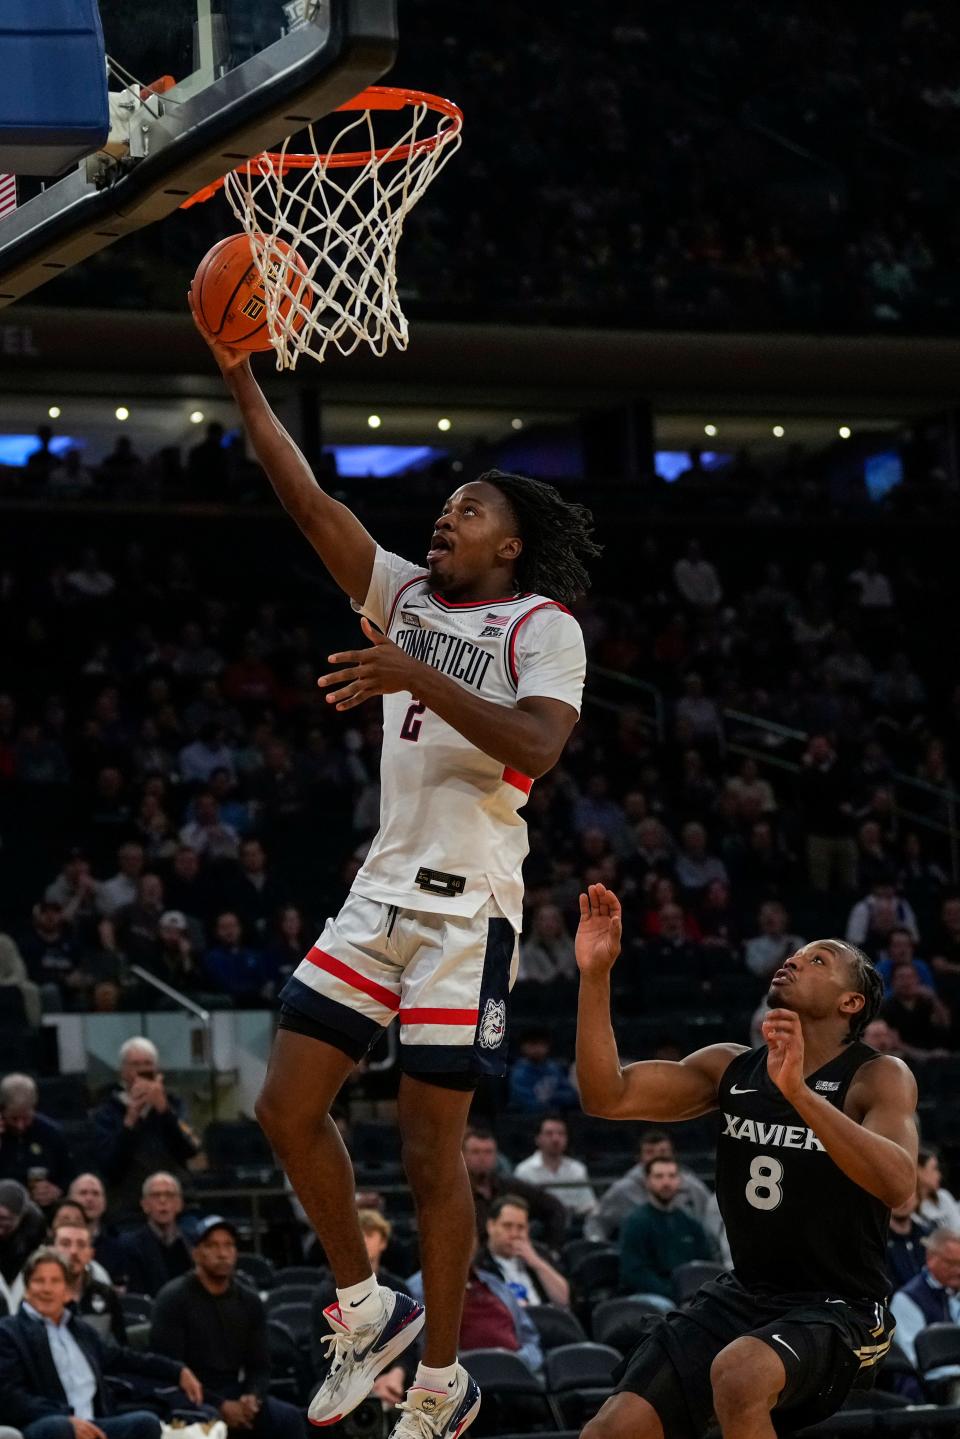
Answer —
818 1144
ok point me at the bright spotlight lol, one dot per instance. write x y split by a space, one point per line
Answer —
122 413
443 425
54 412
196 417
779 432
516 424
844 432
374 422
710 430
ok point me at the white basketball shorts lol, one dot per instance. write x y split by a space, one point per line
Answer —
447 978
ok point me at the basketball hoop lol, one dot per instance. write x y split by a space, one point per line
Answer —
342 208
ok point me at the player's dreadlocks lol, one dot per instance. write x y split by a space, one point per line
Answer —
557 537
865 980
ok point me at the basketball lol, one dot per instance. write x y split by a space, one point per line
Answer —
230 296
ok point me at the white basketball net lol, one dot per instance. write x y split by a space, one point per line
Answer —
345 224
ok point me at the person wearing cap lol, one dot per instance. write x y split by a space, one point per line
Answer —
205 1319
172 958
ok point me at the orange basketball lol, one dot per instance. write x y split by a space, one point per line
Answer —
229 293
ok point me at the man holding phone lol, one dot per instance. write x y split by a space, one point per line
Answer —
139 1129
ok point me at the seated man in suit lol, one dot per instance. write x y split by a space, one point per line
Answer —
53 1365
157 1252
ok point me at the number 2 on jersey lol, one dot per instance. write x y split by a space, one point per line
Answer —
764 1191
413 722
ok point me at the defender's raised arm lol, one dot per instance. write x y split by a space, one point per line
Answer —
336 534
652 1089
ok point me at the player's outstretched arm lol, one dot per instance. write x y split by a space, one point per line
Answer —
652 1089
336 534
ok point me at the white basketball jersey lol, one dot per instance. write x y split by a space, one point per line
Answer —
450 832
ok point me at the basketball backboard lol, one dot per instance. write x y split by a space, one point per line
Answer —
245 73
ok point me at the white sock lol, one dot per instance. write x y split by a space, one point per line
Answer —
360 1303
428 1378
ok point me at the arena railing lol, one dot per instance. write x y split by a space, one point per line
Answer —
184 1002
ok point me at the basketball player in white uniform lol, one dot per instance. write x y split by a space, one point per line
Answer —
481 669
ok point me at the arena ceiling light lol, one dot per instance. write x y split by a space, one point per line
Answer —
778 432
844 432
516 424
196 417
122 413
54 412
444 424
374 421
710 430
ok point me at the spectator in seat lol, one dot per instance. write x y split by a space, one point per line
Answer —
538 1082
33 1149
623 1196
658 1236
75 890
22 1228
480 1157
765 952
52 956
527 1272
208 752
138 924
157 1252
937 1205
885 1040
905 1244
492 1317
933 1296
874 861
390 1386
919 1017
671 949
546 955
945 950
747 786
901 948
252 891
187 888
121 888
289 944
173 959
87 1190
219 1327
53 1366
825 802
208 834
551 1168
138 1127
873 918
697 716
695 867
696 580
234 968
13 975
96 1302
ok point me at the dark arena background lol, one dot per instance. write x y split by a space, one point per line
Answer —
694 265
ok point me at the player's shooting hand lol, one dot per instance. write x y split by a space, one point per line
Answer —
384 669
598 933
784 1037
226 356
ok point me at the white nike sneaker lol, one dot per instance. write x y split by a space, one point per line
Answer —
432 1414
357 1356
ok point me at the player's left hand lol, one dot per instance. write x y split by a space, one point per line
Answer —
781 1029
383 670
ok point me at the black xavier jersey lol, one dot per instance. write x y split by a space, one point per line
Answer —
794 1221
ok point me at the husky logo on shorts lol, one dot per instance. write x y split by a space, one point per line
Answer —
493 1025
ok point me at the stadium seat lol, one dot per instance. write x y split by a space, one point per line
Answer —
298 1274
556 1325
137 1308
295 1318
893 1367
290 1376
237 1143
257 1271
597 1275
282 1294
580 1379
620 1322
575 1249
938 1347
687 1278
513 1397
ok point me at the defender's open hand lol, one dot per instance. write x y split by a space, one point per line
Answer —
598 934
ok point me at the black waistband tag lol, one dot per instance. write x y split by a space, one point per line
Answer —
434 881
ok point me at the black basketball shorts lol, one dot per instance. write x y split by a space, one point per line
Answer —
828 1347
